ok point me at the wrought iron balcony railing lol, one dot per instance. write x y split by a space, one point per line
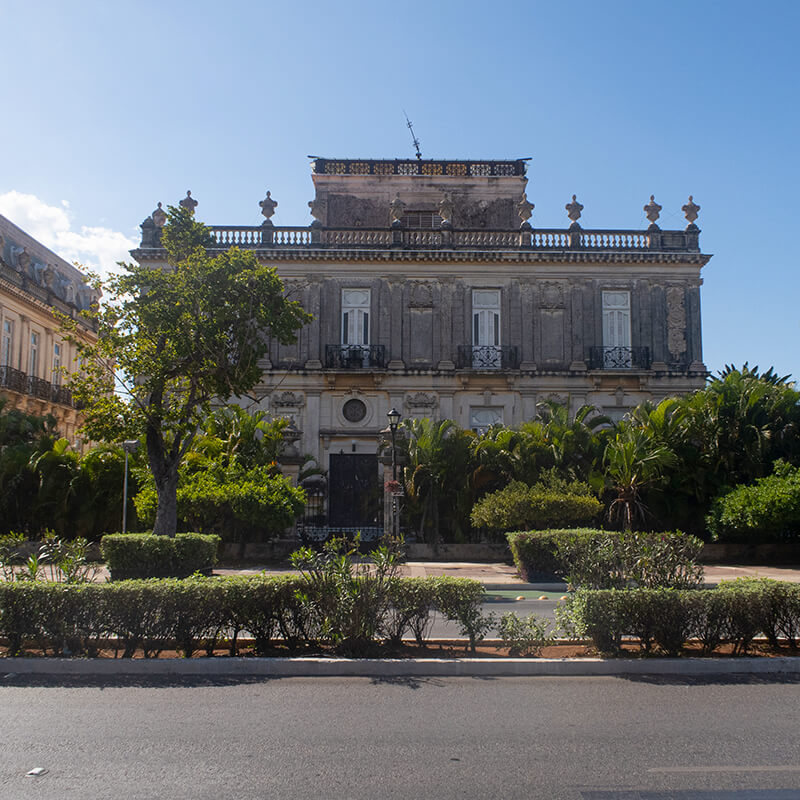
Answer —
17 381
487 357
619 358
355 356
38 387
13 379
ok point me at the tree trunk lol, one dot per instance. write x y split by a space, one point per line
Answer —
166 523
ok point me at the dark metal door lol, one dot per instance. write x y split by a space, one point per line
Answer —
354 495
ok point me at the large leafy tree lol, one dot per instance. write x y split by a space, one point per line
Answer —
172 340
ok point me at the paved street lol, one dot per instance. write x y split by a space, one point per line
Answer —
541 738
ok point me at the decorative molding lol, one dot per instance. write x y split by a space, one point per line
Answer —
551 294
421 400
421 295
676 321
287 400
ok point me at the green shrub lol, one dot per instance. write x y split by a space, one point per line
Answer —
524 636
412 602
608 559
734 613
348 600
461 601
768 509
537 507
143 555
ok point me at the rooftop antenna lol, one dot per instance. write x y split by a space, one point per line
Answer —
413 138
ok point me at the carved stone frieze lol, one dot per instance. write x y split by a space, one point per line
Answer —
676 321
421 401
421 296
551 294
287 400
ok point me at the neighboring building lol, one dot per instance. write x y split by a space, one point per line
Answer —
432 293
35 358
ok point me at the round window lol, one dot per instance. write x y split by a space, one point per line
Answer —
354 410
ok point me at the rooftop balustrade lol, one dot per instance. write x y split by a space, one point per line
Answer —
540 239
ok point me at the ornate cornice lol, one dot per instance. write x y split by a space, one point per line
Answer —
457 256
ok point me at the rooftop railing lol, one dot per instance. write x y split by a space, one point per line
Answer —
427 167
540 239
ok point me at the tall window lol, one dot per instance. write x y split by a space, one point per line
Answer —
617 329
33 361
355 316
7 346
486 328
57 349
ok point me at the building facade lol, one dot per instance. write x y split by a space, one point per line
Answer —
35 358
433 293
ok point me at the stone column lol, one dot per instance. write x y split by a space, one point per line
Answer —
444 304
311 441
396 318
527 363
694 330
575 321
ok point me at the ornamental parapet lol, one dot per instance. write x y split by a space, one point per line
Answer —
259 237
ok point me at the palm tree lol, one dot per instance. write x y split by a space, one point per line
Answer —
437 471
575 444
633 461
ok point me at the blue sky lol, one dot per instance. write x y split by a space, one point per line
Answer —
111 107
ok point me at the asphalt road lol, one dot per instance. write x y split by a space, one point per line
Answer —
540 738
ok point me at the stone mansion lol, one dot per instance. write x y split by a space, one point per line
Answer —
433 293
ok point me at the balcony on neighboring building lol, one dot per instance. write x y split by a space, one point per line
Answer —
17 381
355 356
487 357
619 358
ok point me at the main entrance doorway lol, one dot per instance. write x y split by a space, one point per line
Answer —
355 499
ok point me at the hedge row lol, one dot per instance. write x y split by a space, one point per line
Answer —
519 505
144 555
203 613
734 613
597 559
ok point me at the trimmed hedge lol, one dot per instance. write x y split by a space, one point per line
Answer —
519 505
597 559
665 619
144 555
203 613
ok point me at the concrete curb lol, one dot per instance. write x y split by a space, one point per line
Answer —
387 668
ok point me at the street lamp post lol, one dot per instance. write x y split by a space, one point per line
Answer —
394 420
129 446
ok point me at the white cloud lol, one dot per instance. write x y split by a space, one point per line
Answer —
95 247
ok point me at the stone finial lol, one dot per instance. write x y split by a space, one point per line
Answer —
574 209
691 210
396 209
652 210
525 208
268 206
188 202
160 216
446 209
